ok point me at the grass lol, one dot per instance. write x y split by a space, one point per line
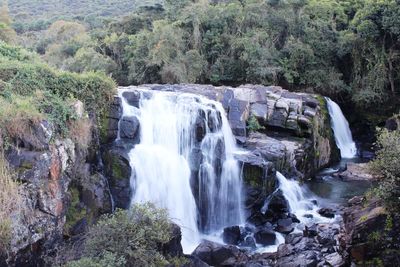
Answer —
17 116
9 203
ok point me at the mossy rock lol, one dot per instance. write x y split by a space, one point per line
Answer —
75 211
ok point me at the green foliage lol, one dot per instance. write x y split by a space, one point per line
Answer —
37 15
345 49
253 125
131 238
108 260
387 165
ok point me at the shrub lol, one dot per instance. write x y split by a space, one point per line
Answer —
253 125
387 165
132 237
17 116
80 131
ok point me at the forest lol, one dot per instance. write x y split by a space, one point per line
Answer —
69 137
348 50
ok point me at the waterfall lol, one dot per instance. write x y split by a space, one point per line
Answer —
341 129
299 200
184 162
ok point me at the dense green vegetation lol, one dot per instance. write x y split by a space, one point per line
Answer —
39 14
387 166
31 91
128 239
341 48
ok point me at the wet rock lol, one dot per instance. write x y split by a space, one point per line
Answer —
218 255
132 97
249 242
200 127
265 237
173 247
294 218
238 115
311 230
293 238
109 123
278 203
129 128
118 171
232 235
214 121
285 226
327 212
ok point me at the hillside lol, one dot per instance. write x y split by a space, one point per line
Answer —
37 14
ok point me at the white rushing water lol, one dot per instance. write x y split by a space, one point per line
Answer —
341 129
177 159
299 200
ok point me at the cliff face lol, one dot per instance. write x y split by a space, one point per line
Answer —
61 192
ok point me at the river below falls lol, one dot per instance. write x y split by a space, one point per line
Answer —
333 191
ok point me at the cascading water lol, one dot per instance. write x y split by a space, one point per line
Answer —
299 203
186 149
341 129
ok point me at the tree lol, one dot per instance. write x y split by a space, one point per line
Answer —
376 51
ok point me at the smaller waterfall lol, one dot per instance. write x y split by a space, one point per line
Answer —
341 129
299 204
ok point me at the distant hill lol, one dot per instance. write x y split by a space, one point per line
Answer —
38 14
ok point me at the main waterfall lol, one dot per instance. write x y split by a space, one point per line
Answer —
185 163
341 129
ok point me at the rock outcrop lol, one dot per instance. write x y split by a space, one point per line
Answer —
294 138
372 233
297 136
61 191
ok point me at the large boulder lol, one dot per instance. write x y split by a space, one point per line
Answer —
231 235
129 128
265 237
218 255
278 203
173 247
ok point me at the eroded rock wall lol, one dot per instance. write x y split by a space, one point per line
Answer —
62 191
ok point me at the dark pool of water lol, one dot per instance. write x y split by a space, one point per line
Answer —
333 190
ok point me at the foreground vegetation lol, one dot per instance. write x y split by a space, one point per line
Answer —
387 166
128 238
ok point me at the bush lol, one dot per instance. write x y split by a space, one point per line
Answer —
253 125
132 238
17 116
387 165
